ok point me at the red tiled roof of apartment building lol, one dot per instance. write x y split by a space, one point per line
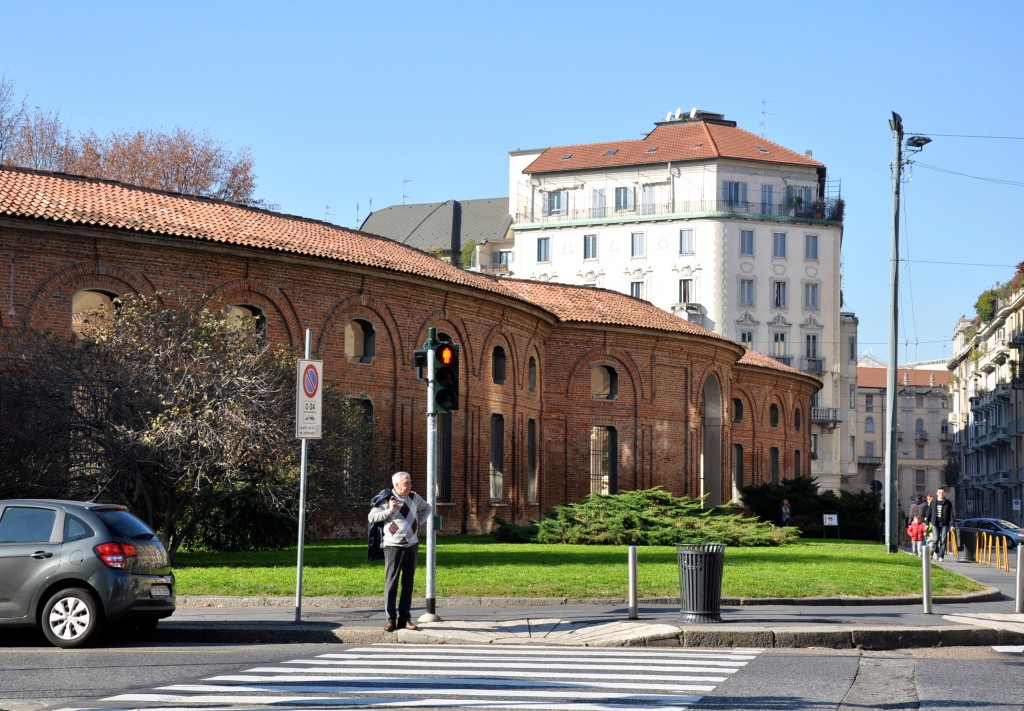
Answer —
878 377
675 141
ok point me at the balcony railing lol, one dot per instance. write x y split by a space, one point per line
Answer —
825 415
785 360
827 210
812 365
869 460
920 436
945 437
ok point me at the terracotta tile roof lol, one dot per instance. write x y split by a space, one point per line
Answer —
676 141
878 377
762 361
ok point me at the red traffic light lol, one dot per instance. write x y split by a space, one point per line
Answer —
445 355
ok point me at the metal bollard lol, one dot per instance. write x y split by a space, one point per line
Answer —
926 578
1020 583
632 583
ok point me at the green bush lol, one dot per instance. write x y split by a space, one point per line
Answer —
513 533
858 512
244 522
654 517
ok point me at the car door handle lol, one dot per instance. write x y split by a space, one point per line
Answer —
40 555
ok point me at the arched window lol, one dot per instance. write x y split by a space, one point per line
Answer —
360 341
92 309
604 382
532 375
253 313
773 415
919 425
737 410
869 424
498 365
798 419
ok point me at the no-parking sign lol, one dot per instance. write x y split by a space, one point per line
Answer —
308 399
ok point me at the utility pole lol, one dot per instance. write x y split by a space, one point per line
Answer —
891 419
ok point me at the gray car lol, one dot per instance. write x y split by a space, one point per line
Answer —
69 567
1013 534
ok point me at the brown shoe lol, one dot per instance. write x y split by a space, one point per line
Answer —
410 625
389 626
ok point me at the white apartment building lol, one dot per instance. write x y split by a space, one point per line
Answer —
715 224
987 416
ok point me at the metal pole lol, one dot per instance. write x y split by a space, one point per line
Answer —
302 512
632 583
1019 608
431 602
926 577
891 420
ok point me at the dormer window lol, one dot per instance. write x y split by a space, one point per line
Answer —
611 151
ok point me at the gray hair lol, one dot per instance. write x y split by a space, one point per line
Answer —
398 475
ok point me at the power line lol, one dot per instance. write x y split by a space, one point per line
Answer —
966 175
962 264
962 135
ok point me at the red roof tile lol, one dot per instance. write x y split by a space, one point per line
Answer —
676 141
879 377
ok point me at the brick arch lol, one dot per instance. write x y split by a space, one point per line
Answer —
534 348
264 296
495 336
587 360
372 309
456 328
84 275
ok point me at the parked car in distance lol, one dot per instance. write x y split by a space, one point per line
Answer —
1013 533
70 567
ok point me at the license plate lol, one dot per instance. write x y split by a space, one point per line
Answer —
160 591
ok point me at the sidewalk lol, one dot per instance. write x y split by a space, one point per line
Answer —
986 618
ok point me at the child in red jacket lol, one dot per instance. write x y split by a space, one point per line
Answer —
916 531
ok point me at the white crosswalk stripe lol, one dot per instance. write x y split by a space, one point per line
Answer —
395 676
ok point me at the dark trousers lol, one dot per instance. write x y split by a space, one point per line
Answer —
943 536
399 563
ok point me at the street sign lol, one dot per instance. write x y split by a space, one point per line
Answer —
309 399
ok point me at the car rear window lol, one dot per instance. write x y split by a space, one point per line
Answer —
22 524
124 525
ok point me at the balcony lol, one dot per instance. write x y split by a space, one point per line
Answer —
820 211
921 436
1016 338
825 416
812 365
494 269
945 437
869 460
785 360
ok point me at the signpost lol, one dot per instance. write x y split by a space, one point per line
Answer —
308 411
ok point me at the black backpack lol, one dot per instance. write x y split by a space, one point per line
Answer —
375 531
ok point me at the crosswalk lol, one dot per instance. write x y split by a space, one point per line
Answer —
405 676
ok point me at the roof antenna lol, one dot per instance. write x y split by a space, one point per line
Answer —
405 185
764 112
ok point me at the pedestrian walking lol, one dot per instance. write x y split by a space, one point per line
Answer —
786 512
941 520
916 531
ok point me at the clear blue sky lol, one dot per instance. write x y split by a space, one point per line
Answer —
343 102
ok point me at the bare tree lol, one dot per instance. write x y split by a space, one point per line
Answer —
41 142
11 112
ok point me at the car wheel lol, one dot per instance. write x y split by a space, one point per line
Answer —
71 618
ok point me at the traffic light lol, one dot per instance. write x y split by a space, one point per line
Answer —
419 361
446 378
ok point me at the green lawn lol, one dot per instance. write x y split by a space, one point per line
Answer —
477 566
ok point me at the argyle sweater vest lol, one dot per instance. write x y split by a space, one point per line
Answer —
402 525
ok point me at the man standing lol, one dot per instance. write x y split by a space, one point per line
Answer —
402 513
941 518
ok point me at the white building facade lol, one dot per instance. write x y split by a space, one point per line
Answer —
712 223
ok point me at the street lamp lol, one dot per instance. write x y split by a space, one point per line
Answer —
891 422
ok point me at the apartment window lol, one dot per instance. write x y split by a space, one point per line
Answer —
604 452
746 292
919 425
811 345
773 464
686 241
779 244
869 424
624 199
773 415
779 294
597 203
734 193
604 382
779 343
686 291
531 371
543 249
737 410
766 198
851 343
590 246
555 203
853 447
360 341
811 247
869 448
638 246
919 480
747 339
919 402
853 396
747 243
497 475
810 296
919 451
869 403
531 461
498 365
647 200
636 289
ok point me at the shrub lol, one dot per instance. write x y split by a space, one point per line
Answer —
859 514
244 522
654 517
513 533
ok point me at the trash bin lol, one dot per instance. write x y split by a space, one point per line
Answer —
965 538
700 581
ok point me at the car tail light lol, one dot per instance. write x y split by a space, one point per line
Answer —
115 555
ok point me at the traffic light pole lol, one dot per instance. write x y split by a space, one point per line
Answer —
430 615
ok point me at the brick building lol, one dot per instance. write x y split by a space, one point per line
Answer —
565 389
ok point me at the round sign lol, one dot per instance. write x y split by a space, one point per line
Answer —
310 380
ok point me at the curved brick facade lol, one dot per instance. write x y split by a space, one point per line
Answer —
60 235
